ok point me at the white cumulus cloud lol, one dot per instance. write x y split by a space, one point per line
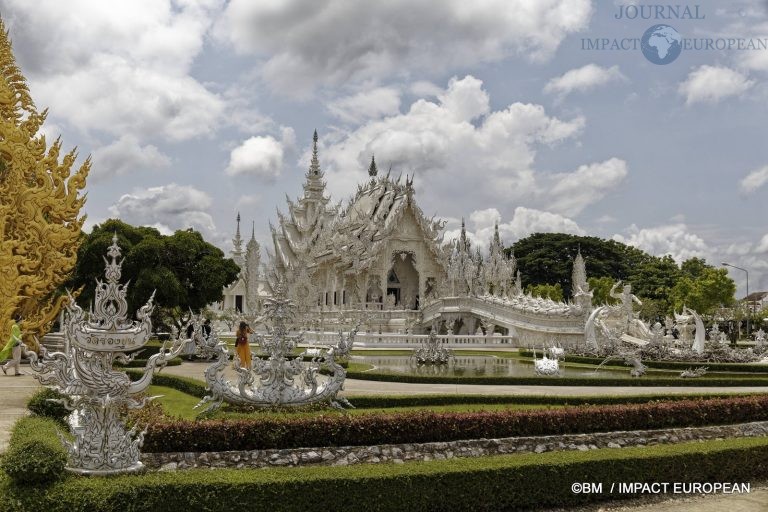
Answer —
674 239
754 180
370 104
126 155
168 208
583 79
117 67
459 148
261 156
710 84
524 222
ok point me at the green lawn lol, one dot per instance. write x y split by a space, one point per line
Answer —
180 405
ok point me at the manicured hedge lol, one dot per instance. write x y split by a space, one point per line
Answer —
427 426
35 455
510 482
387 401
44 403
561 381
670 365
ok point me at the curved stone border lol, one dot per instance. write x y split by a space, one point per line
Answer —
399 453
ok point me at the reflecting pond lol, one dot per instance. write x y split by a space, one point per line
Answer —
476 366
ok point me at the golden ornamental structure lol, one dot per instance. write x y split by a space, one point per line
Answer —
40 204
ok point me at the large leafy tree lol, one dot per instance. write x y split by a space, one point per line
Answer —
546 291
547 258
703 288
185 271
654 280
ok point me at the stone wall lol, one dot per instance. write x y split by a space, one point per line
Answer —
399 453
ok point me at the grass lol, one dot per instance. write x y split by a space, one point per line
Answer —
180 405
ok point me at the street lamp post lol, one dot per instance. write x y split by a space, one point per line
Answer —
749 308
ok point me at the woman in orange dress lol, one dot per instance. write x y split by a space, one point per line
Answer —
241 345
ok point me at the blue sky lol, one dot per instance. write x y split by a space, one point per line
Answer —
194 110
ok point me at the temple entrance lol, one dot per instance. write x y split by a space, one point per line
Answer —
403 281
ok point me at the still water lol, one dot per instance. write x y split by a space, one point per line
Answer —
475 366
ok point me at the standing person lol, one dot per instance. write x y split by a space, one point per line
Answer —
12 348
241 345
207 328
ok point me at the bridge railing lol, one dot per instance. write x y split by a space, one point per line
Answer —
371 339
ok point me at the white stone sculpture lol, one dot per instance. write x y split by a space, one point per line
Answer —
699 340
760 339
94 390
432 352
279 380
546 366
692 373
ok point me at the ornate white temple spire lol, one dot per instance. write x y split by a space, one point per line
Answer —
237 245
237 242
372 170
314 166
252 271
314 186
464 242
579 276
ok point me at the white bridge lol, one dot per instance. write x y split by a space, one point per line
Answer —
504 321
524 325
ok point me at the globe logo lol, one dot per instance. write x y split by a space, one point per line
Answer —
661 44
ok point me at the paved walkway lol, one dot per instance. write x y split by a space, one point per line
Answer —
14 393
755 501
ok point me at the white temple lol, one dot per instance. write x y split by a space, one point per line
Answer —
380 255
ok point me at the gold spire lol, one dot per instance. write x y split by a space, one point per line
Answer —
40 204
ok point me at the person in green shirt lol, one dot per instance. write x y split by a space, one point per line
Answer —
12 348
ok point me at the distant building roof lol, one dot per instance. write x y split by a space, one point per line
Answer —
755 296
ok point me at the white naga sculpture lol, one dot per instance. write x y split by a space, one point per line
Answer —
279 380
94 391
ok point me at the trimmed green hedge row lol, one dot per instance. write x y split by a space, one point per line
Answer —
35 455
670 365
427 426
387 401
44 403
561 381
510 482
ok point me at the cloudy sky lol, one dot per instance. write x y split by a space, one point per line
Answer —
194 110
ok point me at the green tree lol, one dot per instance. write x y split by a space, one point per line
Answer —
710 289
694 267
654 280
548 258
546 291
601 287
185 271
